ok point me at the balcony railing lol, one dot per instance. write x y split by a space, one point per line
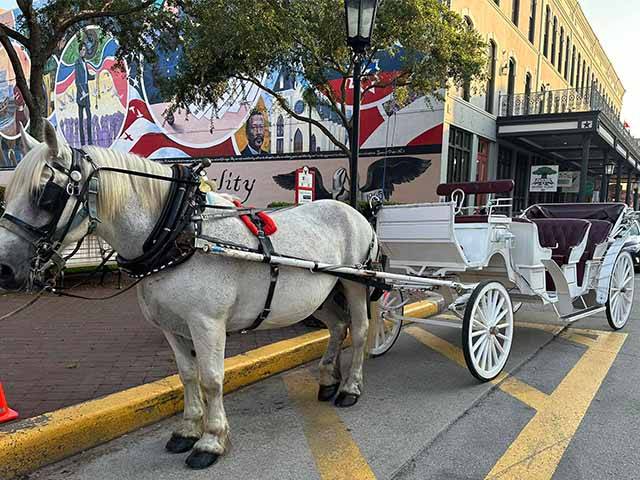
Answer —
562 101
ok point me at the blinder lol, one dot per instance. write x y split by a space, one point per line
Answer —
53 197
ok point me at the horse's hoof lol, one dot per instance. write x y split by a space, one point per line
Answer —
199 459
180 444
345 399
327 392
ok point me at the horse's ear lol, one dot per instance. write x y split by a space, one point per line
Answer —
27 141
51 139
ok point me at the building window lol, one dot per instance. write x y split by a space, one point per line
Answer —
280 145
583 80
573 67
566 60
554 40
312 143
297 141
459 163
515 12
527 92
578 71
532 21
491 80
547 25
561 50
280 126
511 85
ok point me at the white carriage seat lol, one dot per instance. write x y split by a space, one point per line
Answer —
528 255
420 236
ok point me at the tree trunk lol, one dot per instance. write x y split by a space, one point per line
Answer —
38 109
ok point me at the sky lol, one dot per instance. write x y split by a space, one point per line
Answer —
615 22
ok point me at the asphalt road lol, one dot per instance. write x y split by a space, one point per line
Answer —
568 408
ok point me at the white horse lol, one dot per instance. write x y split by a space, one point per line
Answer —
197 302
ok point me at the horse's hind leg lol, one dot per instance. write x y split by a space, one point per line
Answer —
209 338
357 300
334 317
190 429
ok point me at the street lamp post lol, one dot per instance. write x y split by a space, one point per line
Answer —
609 168
361 15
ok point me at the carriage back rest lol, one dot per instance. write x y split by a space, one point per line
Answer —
598 234
609 212
476 188
566 233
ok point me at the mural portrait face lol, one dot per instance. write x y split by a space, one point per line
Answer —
255 131
91 91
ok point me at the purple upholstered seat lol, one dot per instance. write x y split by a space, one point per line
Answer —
566 233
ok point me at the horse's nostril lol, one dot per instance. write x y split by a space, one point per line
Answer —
6 271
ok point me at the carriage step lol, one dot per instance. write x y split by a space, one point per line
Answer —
572 317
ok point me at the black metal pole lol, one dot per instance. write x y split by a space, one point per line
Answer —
604 187
618 179
627 194
584 171
355 132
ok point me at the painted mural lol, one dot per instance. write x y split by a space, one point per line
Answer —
93 101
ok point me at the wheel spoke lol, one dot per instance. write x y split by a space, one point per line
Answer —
503 337
502 315
476 321
476 347
494 353
495 340
477 333
485 353
502 325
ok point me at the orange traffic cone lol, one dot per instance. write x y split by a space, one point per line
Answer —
6 414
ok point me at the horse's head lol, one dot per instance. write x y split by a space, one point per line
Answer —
40 201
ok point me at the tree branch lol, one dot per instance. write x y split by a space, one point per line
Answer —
283 103
21 80
17 36
102 13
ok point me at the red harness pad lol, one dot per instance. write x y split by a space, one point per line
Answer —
269 224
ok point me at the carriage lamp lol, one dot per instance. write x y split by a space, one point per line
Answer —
361 16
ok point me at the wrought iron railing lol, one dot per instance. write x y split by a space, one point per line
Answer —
562 101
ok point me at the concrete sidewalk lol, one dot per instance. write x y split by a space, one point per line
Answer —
63 351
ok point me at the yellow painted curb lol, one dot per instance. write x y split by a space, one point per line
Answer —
32 443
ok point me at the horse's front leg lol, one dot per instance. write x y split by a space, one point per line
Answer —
209 337
190 429
357 300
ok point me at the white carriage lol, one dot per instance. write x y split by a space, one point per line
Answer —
574 257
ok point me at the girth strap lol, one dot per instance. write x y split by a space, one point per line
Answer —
266 249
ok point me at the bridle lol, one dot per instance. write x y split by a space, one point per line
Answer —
47 240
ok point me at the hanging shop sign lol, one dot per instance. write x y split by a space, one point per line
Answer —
544 178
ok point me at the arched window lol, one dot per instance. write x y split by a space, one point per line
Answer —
532 21
573 67
515 12
312 143
527 92
561 49
566 60
578 71
583 83
491 80
511 85
280 126
554 40
280 134
547 26
297 141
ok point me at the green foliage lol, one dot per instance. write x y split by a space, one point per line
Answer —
244 39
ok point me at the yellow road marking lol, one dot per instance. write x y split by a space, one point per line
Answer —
538 449
336 454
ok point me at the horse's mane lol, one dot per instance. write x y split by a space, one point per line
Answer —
115 188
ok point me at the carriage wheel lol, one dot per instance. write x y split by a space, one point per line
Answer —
620 299
487 330
386 316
